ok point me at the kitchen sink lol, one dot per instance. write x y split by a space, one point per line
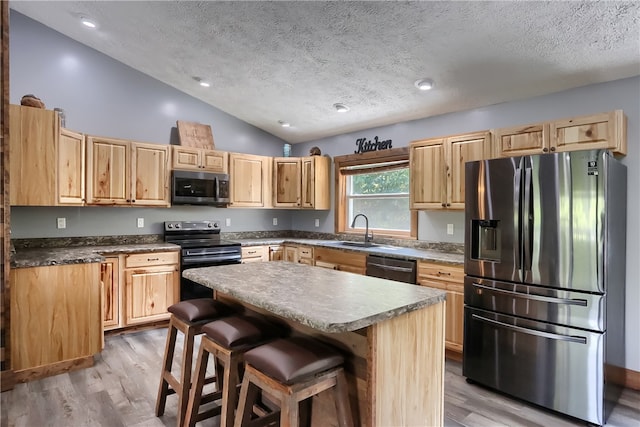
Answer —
363 245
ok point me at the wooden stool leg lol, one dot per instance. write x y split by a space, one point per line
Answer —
230 392
343 408
290 412
163 389
195 395
248 396
185 381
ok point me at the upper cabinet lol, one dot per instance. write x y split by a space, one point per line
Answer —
437 169
301 182
597 131
47 161
190 158
250 180
123 172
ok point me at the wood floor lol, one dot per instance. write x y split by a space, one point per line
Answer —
120 390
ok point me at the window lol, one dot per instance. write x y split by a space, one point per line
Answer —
377 185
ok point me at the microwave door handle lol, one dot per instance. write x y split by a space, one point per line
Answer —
217 188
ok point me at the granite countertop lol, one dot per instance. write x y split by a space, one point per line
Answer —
323 299
38 257
382 249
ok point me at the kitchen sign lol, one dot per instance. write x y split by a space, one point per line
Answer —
364 146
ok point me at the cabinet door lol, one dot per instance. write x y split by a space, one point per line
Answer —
308 183
462 149
186 158
287 182
316 182
71 162
427 187
33 138
351 261
109 277
150 174
250 178
108 171
149 292
291 253
522 140
597 131
276 253
215 161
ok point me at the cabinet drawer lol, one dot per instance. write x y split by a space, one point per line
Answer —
449 273
152 258
305 252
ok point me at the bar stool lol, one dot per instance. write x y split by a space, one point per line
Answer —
292 370
227 340
187 317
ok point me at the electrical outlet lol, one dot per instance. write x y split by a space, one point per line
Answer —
228 222
275 221
317 222
449 228
140 222
62 222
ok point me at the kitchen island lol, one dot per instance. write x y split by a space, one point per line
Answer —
391 333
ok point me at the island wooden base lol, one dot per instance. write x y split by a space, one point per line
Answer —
395 369
53 369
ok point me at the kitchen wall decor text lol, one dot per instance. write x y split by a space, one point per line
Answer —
372 145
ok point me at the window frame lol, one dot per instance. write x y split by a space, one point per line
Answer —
341 204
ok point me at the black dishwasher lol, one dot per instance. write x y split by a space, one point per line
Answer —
400 270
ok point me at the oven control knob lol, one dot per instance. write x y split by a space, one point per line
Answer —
209 225
215 224
177 225
169 225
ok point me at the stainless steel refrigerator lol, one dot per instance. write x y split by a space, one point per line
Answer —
545 242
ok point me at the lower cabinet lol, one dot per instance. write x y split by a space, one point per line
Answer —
449 278
336 259
276 253
138 288
299 253
55 319
255 254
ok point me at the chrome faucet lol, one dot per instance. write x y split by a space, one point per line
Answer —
367 237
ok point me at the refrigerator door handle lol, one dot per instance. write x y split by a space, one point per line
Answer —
517 184
552 300
580 340
527 225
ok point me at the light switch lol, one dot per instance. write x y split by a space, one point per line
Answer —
62 222
317 222
228 222
140 222
275 221
449 228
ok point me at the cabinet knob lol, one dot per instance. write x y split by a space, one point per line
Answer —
133 201
553 148
444 205
545 150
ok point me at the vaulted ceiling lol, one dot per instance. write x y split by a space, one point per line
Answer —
292 61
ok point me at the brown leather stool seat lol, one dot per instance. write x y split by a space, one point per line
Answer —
301 367
227 340
187 317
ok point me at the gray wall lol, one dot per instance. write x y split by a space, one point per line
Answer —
621 94
104 97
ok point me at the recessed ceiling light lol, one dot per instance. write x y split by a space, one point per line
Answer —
341 108
284 124
88 23
205 84
424 84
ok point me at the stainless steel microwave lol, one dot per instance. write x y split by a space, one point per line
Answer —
199 188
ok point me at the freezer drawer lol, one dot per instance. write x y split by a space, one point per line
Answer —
562 307
553 366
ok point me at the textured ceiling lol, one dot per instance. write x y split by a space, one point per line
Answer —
291 61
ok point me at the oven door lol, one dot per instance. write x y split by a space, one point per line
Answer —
192 290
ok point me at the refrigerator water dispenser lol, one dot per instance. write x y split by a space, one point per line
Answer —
485 240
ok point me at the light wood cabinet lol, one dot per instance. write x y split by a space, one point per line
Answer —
596 131
302 182
336 259
56 318
71 168
191 158
110 280
47 165
437 169
299 253
255 254
448 278
276 253
250 180
152 283
121 172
